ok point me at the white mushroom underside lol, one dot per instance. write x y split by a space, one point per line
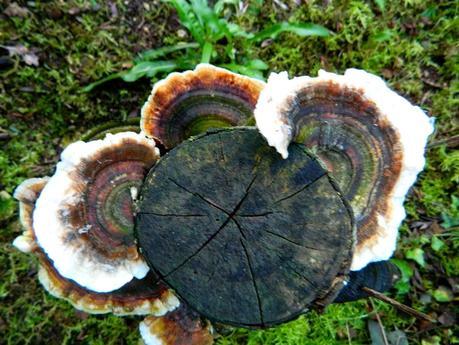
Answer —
411 123
72 256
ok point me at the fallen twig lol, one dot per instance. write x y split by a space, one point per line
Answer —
398 305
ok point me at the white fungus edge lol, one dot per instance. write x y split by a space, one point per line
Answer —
184 75
148 337
75 261
411 123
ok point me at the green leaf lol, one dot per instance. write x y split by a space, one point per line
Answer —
91 86
189 20
149 69
405 269
403 285
206 52
443 294
214 27
219 5
258 64
436 243
245 70
301 29
381 4
451 219
153 54
416 254
236 31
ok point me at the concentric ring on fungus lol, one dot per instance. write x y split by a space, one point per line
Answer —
371 139
179 327
139 297
83 218
189 103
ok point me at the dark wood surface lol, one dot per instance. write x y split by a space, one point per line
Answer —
243 236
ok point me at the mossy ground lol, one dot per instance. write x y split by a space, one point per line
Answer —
411 43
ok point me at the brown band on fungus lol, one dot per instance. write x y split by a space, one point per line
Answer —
139 297
179 327
189 103
84 218
145 296
358 146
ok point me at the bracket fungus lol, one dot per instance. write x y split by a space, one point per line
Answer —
180 327
83 218
140 297
189 103
250 240
371 139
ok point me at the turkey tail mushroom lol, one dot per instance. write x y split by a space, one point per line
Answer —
371 139
138 296
179 327
189 103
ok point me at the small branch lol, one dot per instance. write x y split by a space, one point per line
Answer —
450 142
398 305
381 327
348 334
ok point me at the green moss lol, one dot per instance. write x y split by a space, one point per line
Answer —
412 44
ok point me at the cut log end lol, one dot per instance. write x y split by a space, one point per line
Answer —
243 236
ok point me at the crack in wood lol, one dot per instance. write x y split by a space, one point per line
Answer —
301 189
200 248
238 206
264 214
314 285
290 241
252 273
172 214
210 202
240 229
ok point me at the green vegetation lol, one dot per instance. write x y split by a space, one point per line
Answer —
411 43
215 39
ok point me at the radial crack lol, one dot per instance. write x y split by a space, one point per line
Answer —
238 206
200 248
314 285
210 202
260 309
301 189
239 228
264 214
172 214
290 241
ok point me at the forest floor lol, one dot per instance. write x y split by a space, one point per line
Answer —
61 46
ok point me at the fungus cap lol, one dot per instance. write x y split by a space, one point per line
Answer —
139 297
83 219
370 138
188 103
180 327
27 193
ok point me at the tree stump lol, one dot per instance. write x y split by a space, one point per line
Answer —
243 236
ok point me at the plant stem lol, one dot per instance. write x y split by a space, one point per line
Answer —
207 50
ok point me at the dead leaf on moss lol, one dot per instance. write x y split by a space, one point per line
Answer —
14 10
26 54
